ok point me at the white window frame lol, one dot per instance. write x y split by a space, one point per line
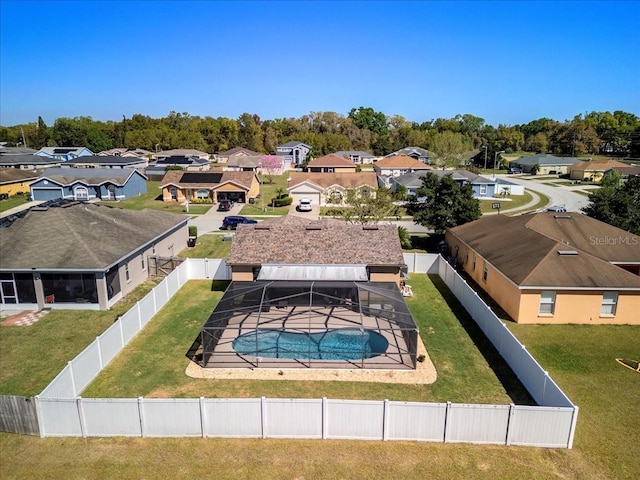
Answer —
547 306
81 193
609 304
483 189
202 194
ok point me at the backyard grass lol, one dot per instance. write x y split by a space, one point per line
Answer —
512 201
153 200
12 202
208 245
31 356
267 192
153 364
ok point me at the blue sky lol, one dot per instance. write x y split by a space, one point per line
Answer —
505 61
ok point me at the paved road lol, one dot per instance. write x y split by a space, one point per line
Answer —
558 195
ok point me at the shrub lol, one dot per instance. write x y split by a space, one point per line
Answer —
281 202
193 231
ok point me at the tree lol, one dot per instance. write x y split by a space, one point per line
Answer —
617 205
448 148
447 203
364 206
405 238
270 165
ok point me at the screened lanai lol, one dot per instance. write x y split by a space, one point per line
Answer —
312 324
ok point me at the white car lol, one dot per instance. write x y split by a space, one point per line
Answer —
304 205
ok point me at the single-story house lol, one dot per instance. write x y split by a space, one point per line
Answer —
482 187
547 164
330 163
594 170
397 165
64 153
156 170
552 267
82 255
4 150
241 163
358 157
178 186
15 182
296 248
224 157
88 184
128 152
28 162
293 154
183 152
330 188
417 153
107 161
505 187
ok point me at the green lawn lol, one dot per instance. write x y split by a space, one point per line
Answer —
267 192
12 202
511 201
208 245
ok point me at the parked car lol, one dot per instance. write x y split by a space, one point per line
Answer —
224 206
514 170
304 205
232 221
556 208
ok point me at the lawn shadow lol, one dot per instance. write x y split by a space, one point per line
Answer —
220 285
512 385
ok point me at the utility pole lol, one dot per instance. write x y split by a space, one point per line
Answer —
485 156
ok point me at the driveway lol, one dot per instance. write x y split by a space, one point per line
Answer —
558 195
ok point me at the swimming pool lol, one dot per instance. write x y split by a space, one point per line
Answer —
338 344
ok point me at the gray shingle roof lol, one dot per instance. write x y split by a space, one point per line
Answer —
81 236
89 176
36 160
106 160
544 159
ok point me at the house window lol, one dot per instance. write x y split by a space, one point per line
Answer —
485 272
483 189
335 197
174 193
547 302
127 275
81 193
142 261
202 194
609 303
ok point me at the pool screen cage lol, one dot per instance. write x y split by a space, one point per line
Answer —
312 324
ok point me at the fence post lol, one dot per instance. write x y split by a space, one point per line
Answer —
324 418
385 420
572 432
73 382
139 315
202 418
100 353
83 427
263 416
39 416
121 332
141 415
155 301
447 420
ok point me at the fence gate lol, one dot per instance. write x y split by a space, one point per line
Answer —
18 415
163 266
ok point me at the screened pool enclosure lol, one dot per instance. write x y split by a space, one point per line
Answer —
297 324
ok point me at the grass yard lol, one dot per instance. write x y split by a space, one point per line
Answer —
150 200
153 364
12 202
208 245
267 192
512 201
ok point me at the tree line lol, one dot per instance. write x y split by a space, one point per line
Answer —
604 133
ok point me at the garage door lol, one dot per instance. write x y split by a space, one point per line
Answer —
44 194
313 196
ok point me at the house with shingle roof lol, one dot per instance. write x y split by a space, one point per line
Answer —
595 170
224 157
547 164
88 184
81 255
183 152
64 153
551 267
4 150
330 188
127 152
330 163
293 153
212 186
417 153
28 162
107 161
482 186
14 181
397 165
293 246
358 157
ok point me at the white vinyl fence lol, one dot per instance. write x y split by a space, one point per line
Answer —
61 412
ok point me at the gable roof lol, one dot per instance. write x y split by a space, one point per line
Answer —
14 175
360 153
17 151
184 152
411 152
544 159
89 176
247 161
211 179
35 160
181 160
52 151
106 160
293 143
401 161
347 180
599 166
81 236
298 241
239 151
528 250
330 160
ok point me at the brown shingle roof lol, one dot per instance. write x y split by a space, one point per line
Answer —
330 160
209 179
347 180
297 240
402 161
14 175
525 249
84 236
598 165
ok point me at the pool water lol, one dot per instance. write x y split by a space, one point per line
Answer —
338 344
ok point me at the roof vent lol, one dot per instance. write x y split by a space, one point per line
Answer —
262 227
562 216
314 227
370 227
567 252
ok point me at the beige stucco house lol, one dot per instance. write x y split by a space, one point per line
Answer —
330 188
331 163
295 248
552 268
212 187
594 170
